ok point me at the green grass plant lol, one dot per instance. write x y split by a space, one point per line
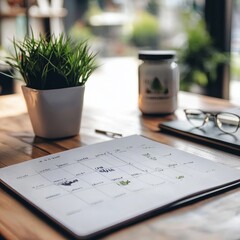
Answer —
52 63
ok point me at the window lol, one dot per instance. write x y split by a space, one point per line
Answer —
235 54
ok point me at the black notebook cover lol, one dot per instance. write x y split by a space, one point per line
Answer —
209 134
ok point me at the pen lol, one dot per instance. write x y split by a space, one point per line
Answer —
108 133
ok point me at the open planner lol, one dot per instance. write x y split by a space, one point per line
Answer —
97 188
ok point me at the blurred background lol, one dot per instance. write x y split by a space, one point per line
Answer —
204 33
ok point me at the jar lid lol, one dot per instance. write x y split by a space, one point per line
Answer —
156 54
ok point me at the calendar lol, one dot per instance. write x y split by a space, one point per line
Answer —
96 188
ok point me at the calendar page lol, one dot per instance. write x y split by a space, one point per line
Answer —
92 189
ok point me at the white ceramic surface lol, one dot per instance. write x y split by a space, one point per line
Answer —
55 113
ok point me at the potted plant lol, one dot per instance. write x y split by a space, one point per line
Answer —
55 71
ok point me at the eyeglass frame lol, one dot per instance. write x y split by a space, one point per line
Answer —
214 115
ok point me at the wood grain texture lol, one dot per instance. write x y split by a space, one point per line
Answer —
217 217
18 222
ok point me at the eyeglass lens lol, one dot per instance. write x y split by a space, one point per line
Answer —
226 122
195 117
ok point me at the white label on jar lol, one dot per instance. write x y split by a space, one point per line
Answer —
157 83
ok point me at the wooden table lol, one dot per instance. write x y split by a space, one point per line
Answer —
111 104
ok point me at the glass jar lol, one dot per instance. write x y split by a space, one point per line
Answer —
158 77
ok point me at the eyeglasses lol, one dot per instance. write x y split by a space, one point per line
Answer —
226 122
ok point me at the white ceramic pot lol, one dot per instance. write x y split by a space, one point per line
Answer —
55 113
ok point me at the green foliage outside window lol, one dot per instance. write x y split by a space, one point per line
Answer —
199 58
145 31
